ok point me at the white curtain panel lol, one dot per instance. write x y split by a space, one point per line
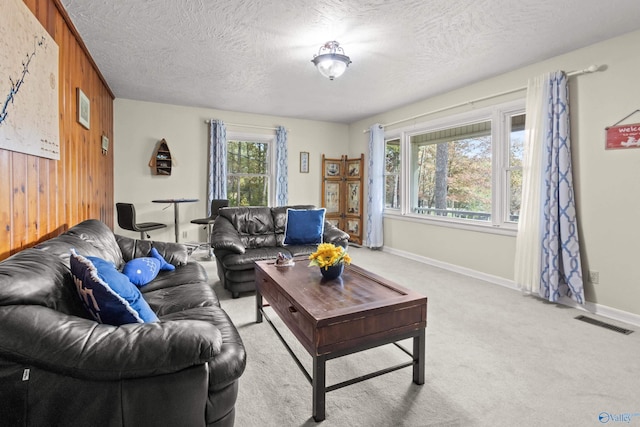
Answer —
282 168
547 258
217 179
375 192
527 258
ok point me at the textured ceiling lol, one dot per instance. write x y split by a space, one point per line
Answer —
255 55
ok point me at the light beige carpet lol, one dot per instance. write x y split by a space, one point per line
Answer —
494 358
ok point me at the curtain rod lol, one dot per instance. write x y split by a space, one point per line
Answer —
589 69
247 126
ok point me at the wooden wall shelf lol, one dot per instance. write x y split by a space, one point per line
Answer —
161 162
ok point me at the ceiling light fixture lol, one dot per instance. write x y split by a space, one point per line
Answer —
331 60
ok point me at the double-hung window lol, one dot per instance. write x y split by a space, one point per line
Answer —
461 170
249 171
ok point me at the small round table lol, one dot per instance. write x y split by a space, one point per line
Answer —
176 212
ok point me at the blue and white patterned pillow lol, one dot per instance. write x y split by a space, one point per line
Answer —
107 294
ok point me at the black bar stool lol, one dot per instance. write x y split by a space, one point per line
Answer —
216 204
127 220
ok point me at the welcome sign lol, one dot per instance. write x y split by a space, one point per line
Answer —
623 136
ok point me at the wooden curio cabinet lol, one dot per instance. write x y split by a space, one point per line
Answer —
342 194
161 162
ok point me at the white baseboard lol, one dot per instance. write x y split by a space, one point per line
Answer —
590 307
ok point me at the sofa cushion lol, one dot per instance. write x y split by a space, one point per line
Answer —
174 253
279 214
192 272
34 277
254 224
107 294
300 250
247 260
304 226
100 237
178 298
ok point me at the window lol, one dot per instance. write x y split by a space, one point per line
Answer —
452 172
248 172
514 168
392 174
465 169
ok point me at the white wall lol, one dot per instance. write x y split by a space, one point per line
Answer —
138 126
606 181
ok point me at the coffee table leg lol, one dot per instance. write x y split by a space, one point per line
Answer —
319 390
258 306
418 357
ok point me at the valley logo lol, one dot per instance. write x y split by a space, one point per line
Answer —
624 417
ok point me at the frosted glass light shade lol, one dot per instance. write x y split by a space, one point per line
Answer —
330 63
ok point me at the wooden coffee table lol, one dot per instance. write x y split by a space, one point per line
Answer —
355 312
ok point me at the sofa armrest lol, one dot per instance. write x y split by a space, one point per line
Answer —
225 237
173 253
333 234
82 348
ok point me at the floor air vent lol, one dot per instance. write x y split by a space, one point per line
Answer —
604 325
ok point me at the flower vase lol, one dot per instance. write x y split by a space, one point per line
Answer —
332 272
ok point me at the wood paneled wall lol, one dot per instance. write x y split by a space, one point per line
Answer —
41 198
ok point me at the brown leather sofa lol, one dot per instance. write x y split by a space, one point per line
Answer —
60 367
242 235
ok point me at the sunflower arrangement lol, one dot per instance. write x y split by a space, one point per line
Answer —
329 255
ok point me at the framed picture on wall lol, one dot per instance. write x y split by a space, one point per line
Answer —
84 109
304 162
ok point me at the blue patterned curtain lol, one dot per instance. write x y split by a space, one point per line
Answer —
282 169
375 196
547 248
217 180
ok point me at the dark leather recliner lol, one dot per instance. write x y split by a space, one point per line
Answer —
243 235
60 367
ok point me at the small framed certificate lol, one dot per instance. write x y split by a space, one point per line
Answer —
84 109
304 162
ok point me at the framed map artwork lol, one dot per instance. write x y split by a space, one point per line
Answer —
28 84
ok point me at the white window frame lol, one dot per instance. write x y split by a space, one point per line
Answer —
386 140
500 140
506 167
270 140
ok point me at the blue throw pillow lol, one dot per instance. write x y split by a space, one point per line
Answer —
107 294
141 271
304 226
